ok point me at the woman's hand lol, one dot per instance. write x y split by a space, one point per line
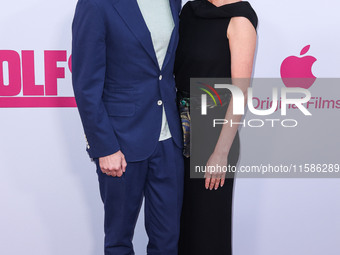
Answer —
215 176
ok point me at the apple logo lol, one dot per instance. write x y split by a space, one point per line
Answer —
297 71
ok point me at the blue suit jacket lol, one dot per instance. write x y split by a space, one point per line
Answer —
117 81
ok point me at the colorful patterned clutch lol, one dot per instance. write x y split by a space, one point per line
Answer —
184 110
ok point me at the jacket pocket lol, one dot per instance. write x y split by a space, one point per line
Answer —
120 109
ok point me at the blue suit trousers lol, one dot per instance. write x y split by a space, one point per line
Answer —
159 180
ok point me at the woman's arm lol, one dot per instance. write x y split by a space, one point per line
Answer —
242 42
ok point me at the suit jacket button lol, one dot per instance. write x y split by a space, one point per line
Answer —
160 77
159 102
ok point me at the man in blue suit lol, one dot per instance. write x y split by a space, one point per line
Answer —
123 56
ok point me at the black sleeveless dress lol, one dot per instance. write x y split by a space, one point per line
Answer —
203 52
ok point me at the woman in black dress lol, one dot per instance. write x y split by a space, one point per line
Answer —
217 40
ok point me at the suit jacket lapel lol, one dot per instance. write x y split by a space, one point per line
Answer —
132 16
175 8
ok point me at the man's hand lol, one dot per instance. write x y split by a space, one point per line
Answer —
113 165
